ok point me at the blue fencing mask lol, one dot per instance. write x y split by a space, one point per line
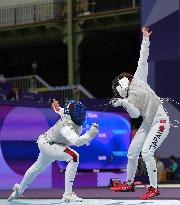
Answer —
76 110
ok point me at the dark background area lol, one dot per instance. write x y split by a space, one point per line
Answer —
104 55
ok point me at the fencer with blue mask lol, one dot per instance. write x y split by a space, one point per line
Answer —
54 145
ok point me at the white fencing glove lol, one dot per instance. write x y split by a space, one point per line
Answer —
94 130
116 102
130 108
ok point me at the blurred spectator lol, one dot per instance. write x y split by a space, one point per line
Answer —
34 67
76 94
160 167
14 93
82 7
2 79
141 170
172 170
92 5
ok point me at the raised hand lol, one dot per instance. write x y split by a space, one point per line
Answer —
146 32
55 105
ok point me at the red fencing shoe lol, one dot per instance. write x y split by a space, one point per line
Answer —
152 192
125 187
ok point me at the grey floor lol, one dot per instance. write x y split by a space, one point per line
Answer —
95 193
89 202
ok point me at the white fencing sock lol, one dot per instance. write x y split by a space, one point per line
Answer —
29 176
152 172
131 169
70 174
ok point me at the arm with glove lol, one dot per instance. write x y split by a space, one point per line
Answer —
142 69
129 107
70 134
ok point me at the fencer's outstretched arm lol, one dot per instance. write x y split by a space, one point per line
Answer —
142 69
129 107
70 134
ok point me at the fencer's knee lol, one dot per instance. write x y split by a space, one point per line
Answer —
77 154
147 155
75 160
73 155
132 154
76 157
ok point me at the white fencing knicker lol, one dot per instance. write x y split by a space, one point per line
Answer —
147 139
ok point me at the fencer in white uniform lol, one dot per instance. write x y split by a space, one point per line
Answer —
54 145
136 96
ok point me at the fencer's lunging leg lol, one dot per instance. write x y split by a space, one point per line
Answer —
40 165
71 170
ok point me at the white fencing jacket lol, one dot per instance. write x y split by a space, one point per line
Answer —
66 132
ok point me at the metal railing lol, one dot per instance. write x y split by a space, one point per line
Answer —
48 10
36 84
28 83
68 91
31 12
